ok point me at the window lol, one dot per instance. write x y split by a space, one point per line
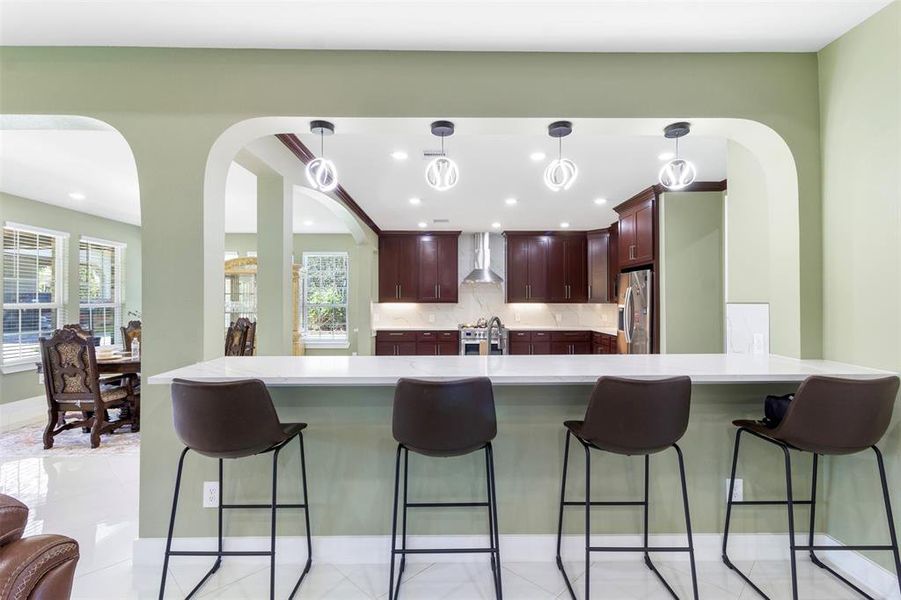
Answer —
100 294
33 290
325 297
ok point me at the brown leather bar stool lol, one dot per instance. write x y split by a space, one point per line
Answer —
443 419
634 418
828 416
228 421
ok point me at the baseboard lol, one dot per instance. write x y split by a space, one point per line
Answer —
22 412
374 549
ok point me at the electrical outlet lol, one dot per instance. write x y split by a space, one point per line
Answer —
211 494
516 317
431 317
738 492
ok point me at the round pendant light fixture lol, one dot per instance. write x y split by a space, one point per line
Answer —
678 173
561 172
442 173
321 172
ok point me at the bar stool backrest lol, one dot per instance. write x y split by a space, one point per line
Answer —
832 415
225 420
634 416
444 418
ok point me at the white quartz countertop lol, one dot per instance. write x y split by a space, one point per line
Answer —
514 327
510 370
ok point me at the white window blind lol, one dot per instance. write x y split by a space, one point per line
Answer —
33 290
101 288
325 278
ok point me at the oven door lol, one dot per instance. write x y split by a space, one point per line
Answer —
471 348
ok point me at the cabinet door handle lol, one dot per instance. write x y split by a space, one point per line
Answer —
589 291
439 291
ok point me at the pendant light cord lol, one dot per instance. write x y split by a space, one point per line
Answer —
322 143
559 148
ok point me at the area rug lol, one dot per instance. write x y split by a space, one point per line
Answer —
28 441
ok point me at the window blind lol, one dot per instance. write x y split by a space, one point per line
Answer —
33 290
100 294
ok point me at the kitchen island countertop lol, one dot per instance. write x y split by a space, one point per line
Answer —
511 370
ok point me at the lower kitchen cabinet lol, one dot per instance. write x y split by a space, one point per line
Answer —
417 343
603 343
549 342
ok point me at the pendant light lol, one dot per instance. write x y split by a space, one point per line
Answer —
442 173
678 173
321 172
561 173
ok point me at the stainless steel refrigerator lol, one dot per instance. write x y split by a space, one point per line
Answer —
636 316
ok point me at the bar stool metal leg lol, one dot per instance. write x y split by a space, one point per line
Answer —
587 521
272 531
691 545
392 592
181 463
306 514
888 513
560 518
492 508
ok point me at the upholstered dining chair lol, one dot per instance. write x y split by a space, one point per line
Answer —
130 333
72 383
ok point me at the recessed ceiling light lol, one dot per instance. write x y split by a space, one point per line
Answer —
536 156
77 196
495 225
564 224
423 224
510 201
414 201
308 222
399 155
666 156
600 201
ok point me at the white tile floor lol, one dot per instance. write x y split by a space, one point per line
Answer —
94 499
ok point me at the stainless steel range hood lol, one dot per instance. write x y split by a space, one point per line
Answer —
482 272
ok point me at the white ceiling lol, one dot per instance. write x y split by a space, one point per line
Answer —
49 164
527 25
493 156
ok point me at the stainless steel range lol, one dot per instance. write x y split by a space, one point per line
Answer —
493 331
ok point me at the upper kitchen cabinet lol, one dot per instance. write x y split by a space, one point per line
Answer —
417 267
602 266
637 229
438 268
527 267
567 275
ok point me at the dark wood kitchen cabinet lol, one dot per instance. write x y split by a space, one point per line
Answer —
395 343
567 272
603 343
637 229
438 268
415 267
529 342
398 268
603 265
527 268
570 342
437 343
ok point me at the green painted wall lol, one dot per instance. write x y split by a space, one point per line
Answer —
691 240
363 264
156 97
18 386
747 228
860 95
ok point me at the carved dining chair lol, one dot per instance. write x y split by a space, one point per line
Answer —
240 338
131 332
83 333
71 383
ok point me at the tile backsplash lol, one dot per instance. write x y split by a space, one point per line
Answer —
487 300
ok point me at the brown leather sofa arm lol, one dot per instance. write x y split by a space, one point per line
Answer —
13 517
40 567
